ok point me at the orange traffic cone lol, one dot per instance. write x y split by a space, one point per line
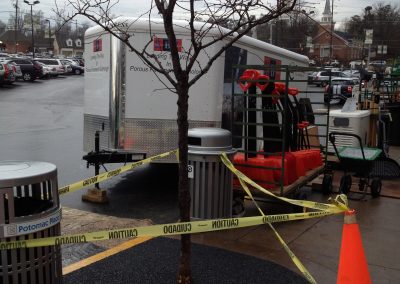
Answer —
353 267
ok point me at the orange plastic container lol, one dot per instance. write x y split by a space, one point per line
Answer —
252 169
290 170
310 158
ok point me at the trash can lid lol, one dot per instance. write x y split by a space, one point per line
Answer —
12 173
208 139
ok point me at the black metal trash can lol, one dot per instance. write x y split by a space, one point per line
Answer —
394 133
210 181
30 208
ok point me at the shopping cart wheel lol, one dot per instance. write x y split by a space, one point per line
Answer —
238 205
345 184
327 184
299 196
361 184
376 186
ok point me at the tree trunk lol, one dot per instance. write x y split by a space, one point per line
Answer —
185 273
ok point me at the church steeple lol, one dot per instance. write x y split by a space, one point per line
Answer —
327 15
327 10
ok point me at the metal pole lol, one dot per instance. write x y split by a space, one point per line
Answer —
369 54
49 36
331 49
362 51
270 32
16 26
33 40
97 150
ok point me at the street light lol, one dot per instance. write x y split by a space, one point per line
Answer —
367 13
47 20
33 40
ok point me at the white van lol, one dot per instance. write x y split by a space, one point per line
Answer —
138 111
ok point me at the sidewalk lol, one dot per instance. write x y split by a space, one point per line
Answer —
76 221
316 242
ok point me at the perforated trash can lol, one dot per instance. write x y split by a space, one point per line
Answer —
29 209
210 181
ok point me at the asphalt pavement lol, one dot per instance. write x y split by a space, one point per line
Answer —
43 121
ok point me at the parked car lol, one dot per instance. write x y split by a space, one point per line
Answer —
17 71
7 73
15 68
340 89
4 55
334 62
2 71
390 82
76 68
352 73
30 72
54 63
356 64
48 71
310 77
379 63
38 69
81 61
67 65
322 77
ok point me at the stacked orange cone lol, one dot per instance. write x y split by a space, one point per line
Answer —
353 267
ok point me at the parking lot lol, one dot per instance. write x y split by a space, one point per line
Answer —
43 121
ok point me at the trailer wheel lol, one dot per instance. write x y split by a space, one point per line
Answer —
345 184
327 184
376 186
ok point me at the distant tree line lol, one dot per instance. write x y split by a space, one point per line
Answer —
384 19
58 26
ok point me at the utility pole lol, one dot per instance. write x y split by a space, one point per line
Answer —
367 15
16 27
331 45
33 38
47 20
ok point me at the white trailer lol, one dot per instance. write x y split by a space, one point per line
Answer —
136 108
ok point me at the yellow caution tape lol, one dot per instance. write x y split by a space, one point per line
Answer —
163 230
107 175
336 207
292 256
339 205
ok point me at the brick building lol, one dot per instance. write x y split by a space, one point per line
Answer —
337 45
8 38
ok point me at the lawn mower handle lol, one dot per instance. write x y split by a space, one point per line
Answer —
337 133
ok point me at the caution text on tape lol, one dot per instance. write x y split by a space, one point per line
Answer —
163 230
107 175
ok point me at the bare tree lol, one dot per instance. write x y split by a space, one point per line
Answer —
383 19
241 15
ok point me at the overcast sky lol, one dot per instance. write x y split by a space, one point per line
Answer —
342 8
